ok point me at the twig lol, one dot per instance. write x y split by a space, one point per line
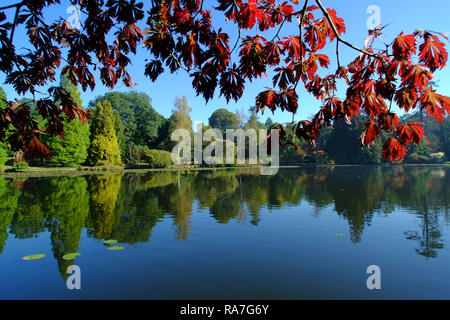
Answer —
300 26
18 6
339 38
237 40
12 6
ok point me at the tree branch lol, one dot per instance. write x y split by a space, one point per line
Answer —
339 38
300 26
13 28
12 6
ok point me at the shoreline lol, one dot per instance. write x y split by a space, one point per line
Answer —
37 172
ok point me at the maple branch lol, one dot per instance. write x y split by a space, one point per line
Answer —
338 36
12 6
179 63
339 63
13 28
237 40
300 26
279 29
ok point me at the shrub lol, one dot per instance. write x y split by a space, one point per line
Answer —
158 158
21 166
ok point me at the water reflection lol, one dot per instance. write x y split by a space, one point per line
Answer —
128 207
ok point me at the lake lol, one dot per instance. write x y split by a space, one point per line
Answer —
308 233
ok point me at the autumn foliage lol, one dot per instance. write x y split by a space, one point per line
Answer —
179 34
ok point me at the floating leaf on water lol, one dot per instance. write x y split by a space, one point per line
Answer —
339 234
71 256
110 241
116 248
34 257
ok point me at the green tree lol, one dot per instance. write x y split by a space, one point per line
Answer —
3 148
104 149
180 119
223 119
139 123
253 123
3 155
72 149
343 145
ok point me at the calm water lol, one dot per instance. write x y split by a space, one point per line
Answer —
304 233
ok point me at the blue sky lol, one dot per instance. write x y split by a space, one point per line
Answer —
401 15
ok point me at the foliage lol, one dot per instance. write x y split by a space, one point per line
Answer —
3 98
21 166
104 149
72 148
132 154
223 119
3 155
437 135
140 123
180 119
343 145
182 35
269 122
158 158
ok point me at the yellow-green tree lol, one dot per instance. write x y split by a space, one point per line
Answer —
104 149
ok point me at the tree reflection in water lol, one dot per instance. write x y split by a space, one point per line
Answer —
128 207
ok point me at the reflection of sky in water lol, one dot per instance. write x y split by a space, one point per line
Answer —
226 234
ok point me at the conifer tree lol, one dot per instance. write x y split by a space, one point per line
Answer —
104 149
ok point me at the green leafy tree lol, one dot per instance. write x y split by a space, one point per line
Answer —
72 149
223 119
138 122
3 148
3 155
343 145
104 149
180 119
253 123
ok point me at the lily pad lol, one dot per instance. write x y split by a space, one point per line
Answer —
110 241
71 256
34 257
116 248
339 234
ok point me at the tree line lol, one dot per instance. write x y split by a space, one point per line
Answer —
125 129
